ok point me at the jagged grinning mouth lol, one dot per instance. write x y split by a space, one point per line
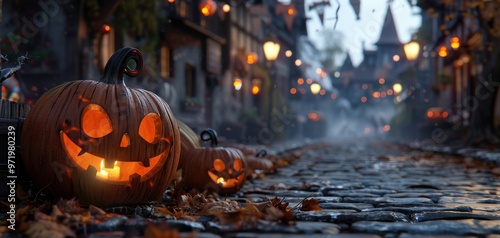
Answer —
84 159
230 183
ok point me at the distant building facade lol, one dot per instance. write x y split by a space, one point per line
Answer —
372 80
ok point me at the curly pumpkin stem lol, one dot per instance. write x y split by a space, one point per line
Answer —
261 153
118 64
210 135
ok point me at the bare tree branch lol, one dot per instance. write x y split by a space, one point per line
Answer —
336 14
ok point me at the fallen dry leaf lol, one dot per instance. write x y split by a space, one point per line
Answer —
278 203
310 205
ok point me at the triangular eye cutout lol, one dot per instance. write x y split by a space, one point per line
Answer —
95 121
151 128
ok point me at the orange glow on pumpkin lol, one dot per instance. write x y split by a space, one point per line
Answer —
95 121
151 128
237 165
219 165
111 173
227 177
125 142
85 159
221 180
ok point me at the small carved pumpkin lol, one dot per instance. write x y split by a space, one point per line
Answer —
102 142
189 141
215 168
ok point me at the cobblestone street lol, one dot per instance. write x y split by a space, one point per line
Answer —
358 188
378 188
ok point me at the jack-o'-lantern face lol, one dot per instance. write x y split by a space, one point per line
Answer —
227 175
214 168
100 141
111 155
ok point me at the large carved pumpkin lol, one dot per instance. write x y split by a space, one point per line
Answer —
189 141
215 168
101 141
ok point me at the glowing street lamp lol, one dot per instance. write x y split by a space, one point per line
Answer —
412 49
271 50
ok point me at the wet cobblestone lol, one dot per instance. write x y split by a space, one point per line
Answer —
380 189
363 189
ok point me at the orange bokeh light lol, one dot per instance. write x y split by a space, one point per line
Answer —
455 42
255 89
252 58
313 116
443 52
208 7
387 128
105 29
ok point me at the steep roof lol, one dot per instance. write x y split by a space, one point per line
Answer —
347 65
389 34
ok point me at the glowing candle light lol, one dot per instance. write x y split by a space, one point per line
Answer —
109 173
221 181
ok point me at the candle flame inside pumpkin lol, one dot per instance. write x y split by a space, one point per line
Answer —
221 181
109 173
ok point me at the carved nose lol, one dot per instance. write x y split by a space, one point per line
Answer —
125 141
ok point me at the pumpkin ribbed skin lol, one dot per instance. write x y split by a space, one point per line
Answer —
200 166
189 141
201 160
54 132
